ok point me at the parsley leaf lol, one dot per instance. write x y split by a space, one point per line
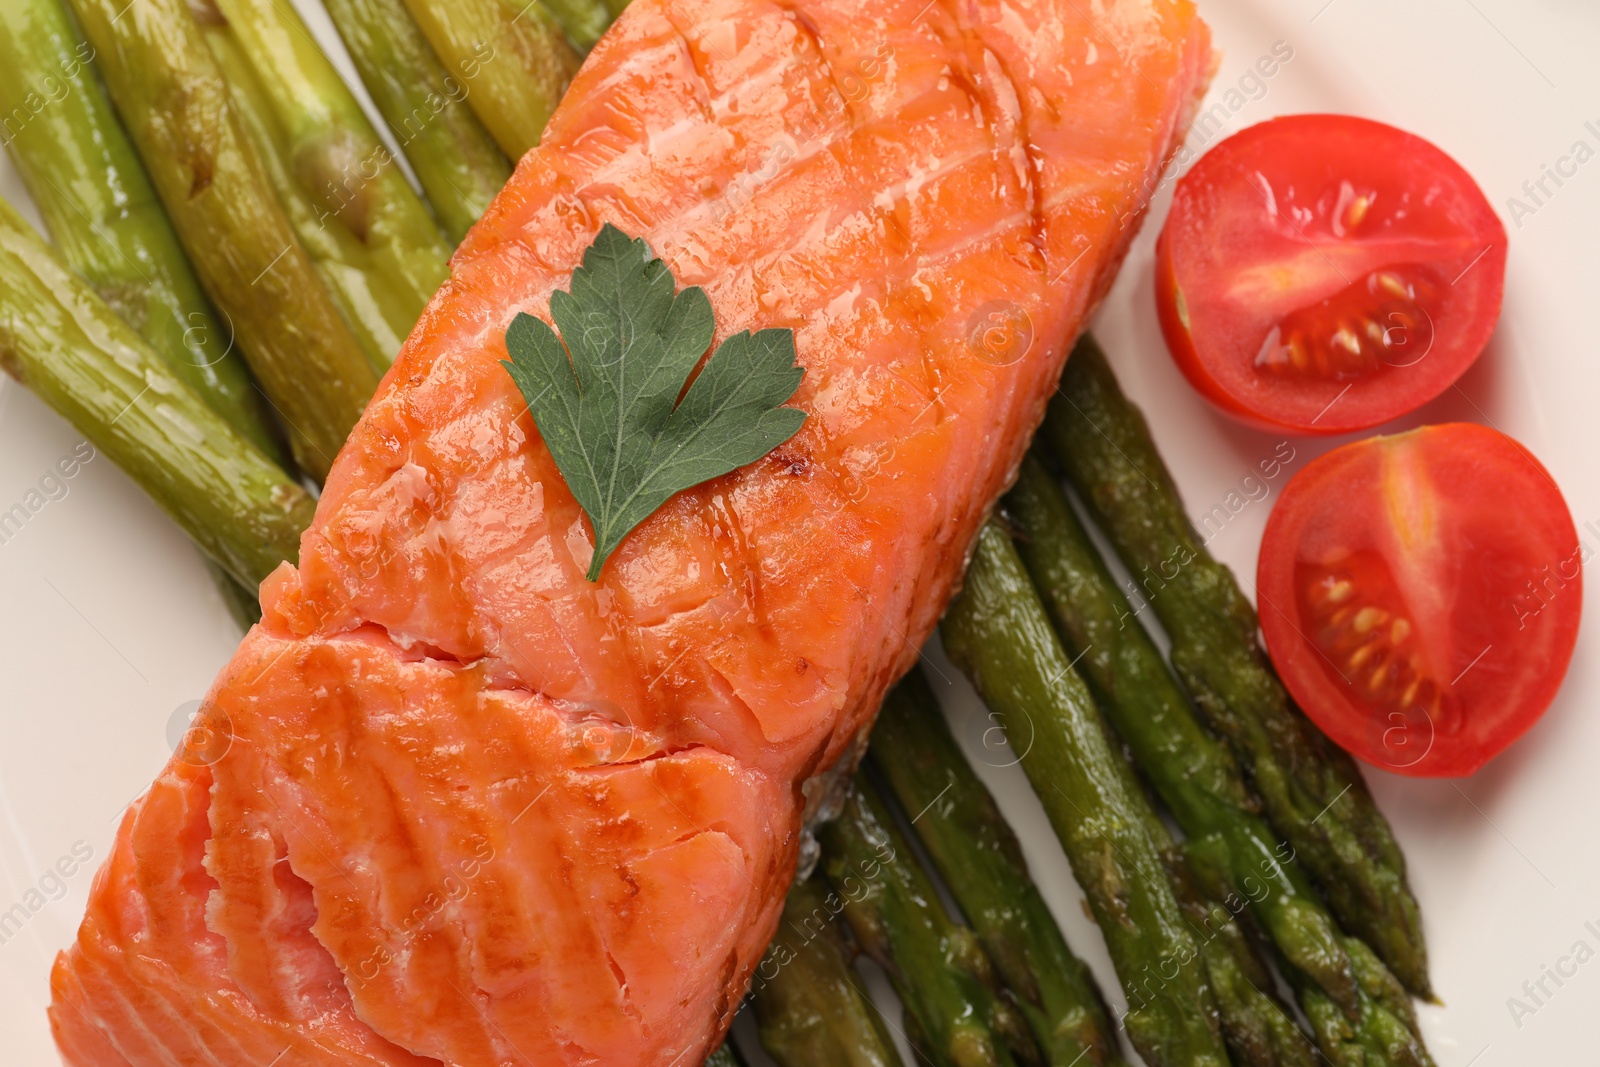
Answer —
605 393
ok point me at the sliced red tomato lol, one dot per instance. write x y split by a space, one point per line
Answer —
1323 273
1420 595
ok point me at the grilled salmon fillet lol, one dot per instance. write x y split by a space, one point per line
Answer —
459 805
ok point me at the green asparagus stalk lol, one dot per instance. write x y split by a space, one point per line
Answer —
998 633
62 341
1255 1027
1314 796
175 104
1192 772
377 246
583 21
459 165
1387 1036
377 314
106 222
936 965
1258 1028
103 215
510 54
808 1003
976 854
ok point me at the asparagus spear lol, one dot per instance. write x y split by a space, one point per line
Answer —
175 104
809 1006
1194 774
997 631
511 56
936 965
381 253
106 222
583 21
104 217
62 341
1191 771
1258 1029
1255 1027
1386 1037
975 852
378 314
1313 794
459 165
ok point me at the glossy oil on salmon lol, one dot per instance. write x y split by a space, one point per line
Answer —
469 808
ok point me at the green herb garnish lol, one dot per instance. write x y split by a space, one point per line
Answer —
605 393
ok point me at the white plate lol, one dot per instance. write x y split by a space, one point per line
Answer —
110 626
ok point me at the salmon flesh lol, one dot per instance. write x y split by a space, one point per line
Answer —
459 805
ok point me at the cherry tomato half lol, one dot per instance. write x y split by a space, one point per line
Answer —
1420 595
1323 273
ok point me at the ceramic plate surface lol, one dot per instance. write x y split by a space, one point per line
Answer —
110 628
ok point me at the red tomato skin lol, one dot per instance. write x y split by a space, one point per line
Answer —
1370 402
1180 343
1533 638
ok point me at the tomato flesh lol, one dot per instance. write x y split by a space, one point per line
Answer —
1358 621
1420 595
1323 273
1379 322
